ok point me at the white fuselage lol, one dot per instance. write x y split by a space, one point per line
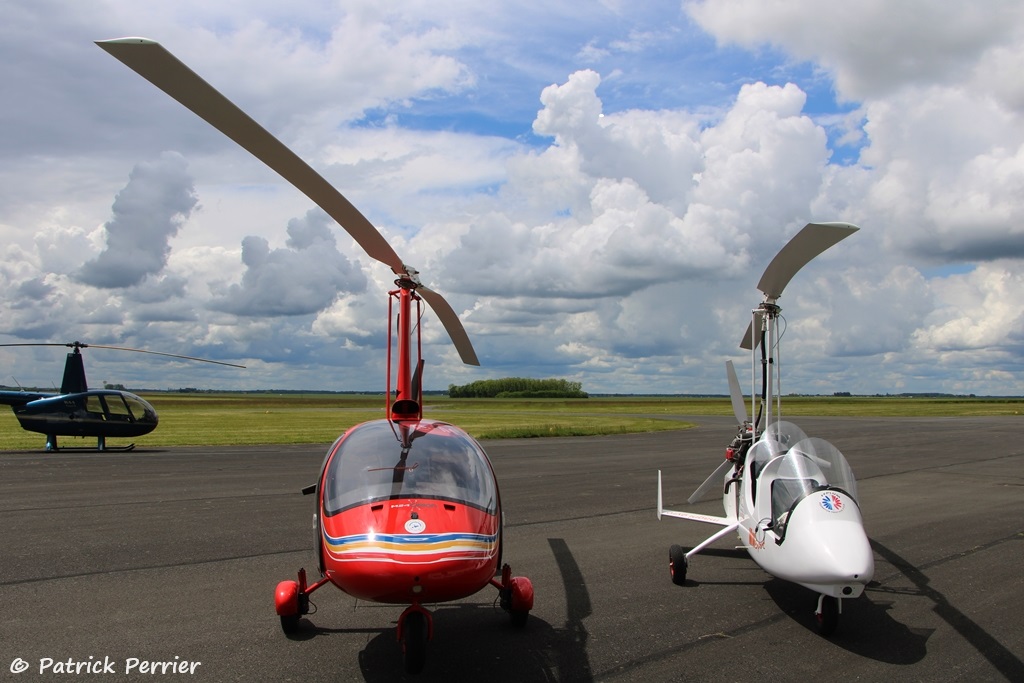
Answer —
800 529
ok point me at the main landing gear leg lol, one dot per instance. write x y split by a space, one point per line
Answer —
51 443
516 595
291 600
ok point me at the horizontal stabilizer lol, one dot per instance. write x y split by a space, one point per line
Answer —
708 519
697 517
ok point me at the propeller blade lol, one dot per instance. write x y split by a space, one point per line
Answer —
450 319
709 483
153 62
739 409
810 242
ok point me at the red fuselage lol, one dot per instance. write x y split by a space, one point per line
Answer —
408 514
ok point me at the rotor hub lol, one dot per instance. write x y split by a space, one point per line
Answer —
409 279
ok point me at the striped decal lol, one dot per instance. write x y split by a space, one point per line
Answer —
411 548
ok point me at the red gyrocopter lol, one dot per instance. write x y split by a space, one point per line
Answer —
407 509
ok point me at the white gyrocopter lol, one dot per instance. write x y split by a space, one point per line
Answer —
791 499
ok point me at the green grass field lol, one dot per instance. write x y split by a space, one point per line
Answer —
218 419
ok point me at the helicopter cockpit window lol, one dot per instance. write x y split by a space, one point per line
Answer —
441 463
138 408
118 409
94 406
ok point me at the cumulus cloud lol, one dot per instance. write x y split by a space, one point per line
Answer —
641 198
305 277
874 48
612 233
148 212
979 310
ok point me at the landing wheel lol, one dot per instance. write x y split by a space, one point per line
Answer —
414 641
827 615
677 563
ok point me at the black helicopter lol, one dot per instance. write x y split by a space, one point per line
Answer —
80 411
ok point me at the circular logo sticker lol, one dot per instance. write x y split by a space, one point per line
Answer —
415 526
831 501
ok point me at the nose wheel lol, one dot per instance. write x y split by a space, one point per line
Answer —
827 614
415 628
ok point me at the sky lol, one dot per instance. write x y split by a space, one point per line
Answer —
595 187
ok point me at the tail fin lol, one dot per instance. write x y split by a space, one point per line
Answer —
74 374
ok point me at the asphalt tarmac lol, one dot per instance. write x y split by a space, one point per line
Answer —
161 564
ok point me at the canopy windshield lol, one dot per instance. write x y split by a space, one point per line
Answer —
441 462
826 459
775 441
788 471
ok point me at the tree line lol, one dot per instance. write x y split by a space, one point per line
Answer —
518 387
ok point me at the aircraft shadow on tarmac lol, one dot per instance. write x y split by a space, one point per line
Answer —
865 628
695 578
476 641
1005 661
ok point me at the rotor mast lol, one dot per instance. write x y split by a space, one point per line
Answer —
807 244
407 404
767 315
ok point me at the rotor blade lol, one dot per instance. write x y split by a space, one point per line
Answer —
69 345
709 483
158 66
811 241
81 345
450 319
748 343
739 409
159 353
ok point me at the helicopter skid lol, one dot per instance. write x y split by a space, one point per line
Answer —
95 449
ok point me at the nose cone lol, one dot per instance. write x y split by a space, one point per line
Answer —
828 550
838 552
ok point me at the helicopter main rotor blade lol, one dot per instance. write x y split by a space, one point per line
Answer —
810 242
157 65
739 409
160 353
450 319
82 345
153 62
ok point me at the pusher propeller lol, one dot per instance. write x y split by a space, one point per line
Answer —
736 394
158 66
